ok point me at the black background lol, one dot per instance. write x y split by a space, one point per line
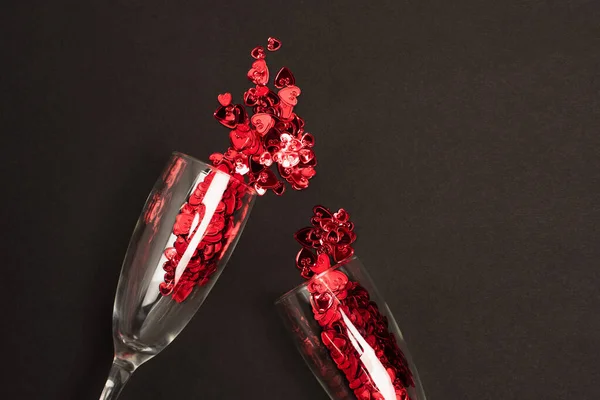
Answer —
463 137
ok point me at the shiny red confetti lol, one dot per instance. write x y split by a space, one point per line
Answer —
224 99
273 136
337 302
258 53
284 78
203 262
330 236
273 44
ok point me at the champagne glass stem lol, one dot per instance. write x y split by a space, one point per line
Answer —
118 376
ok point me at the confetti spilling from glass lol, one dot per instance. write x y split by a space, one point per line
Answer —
337 302
272 136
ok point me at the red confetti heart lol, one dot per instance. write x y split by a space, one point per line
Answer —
322 212
258 53
262 122
224 99
289 94
322 264
259 73
284 78
303 237
279 190
267 179
342 253
323 301
304 259
225 115
239 140
251 97
273 44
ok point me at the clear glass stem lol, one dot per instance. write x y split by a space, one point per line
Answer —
118 376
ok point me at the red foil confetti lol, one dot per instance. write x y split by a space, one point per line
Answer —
342 306
221 228
271 138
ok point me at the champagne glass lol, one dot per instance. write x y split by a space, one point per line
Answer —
348 336
184 236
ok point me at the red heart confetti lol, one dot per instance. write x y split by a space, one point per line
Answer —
273 44
333 294
273 115
256 149
224 99
284 78
258 53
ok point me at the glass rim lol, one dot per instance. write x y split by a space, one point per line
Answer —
286 295
185 156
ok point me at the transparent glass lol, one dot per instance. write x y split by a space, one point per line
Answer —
146 316
297 312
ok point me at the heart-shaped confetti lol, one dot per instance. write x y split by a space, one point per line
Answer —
224 99
304 260
322 301
339 303
256 146
262 122
342 253
284 78
273 114
303 237
273 44
240 139
258 53
259 73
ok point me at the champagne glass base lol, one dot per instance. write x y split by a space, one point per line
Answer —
119 374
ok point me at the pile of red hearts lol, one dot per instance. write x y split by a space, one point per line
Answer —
222 227
344 310
273 135
331 235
